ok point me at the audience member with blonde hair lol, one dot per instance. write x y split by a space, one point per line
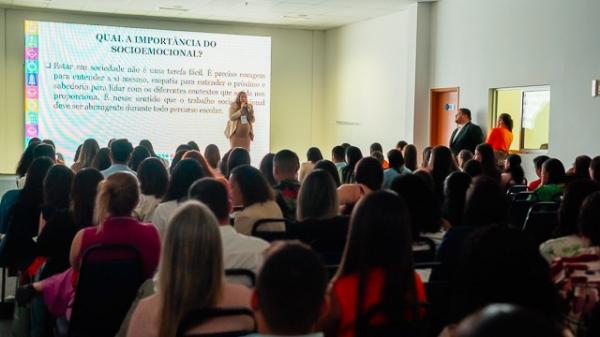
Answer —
86 157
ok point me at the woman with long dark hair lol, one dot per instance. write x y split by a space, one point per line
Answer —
154 179
513 172
313 155
353 155
485 155
441 165
410 157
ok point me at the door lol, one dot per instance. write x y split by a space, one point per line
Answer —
444 105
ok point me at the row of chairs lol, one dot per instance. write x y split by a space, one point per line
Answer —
538 220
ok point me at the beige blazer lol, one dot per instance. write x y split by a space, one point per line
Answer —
235 114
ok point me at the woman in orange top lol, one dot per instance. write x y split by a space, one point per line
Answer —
501 136
377 273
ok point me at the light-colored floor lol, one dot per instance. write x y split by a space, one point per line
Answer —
7 182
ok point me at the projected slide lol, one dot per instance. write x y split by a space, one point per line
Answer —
170 87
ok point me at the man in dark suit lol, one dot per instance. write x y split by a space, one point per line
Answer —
467 135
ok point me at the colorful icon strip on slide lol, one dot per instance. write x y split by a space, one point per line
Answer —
32 70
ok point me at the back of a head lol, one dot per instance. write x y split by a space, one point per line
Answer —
213 194
26 159
212 155
490 260
191 265
487 159
197 156
553 172
57 187
486 203
153 177
102 159
426 156
379 156
330 167
184 174
137 156
118 195
313 155
582 166
515 169
120 151
32 192
286 162
466 112
176 159
423 208
589 218
539 161
237 157
183 147
148 145
395 158
501 320
353 155
223 163
83 196
595 169
455 195
575 193
44 150
410 157
252 185
317 198
89 149
473 168
291 290
193 145
441 163
369 173
338 153
464 156
401 145
507 121
375 147
266 168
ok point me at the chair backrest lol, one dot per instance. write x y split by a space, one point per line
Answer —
335 228
331 250
109 278
515 189
413 327
198 317
240 273
518 210
269 236
541 221
424 250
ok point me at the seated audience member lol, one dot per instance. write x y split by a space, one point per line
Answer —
223 163
426 157
154 179
17 248
595 169
491 258
410 157
338 157
251 190
423 207
191 278
285 171
473 168
120 153
237 157
184 174
176 159
441 165
370 276
45 150
290 295
239 251
266 168
553 181
538 162
137 156
381 159
376 147
86 157
570 240
513 172
485 155
396 168
25 161
313 155
426 177
580 168
353 155
197 156
117 197
463 157
102 159
501 320
369 178
148 145
455 196
330 168
55 237
193 145
213 156
401 145
317 198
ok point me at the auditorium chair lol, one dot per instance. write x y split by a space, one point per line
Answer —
515 189
235 274
198 317
423 250
541 221
270 236
519 208
402 327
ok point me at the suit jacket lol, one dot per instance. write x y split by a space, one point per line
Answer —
469 137
235 117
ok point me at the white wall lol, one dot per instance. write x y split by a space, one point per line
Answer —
478 45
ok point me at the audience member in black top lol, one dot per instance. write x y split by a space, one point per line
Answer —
485 155
266 168
353 155
185 173
330 167
102 159
17 248
426 156
237 157
473 168
44 150
137 156
26 159
289 297
513 172
285 170
595 169
212 155
441 165
455 196
410 157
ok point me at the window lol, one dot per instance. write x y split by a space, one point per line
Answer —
529 108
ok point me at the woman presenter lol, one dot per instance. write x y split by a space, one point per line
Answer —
239 126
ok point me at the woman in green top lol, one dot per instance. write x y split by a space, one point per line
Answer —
553 182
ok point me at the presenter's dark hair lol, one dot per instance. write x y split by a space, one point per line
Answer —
507 120
286 161
330 168
153 177
238 156
213 194
314 155
338 153
184 174
212 155
83 196
554 172
370 173
44 150
291 289
253 186
102 159
466 112
266 168
120 150
26 159
137 156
